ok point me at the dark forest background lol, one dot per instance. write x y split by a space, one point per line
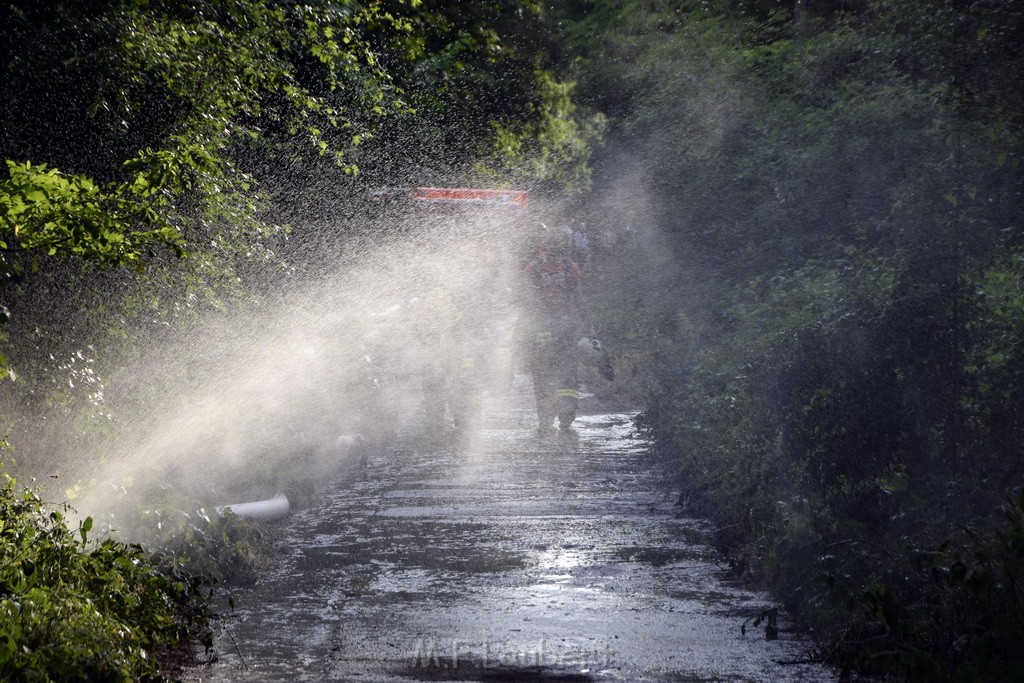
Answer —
830 360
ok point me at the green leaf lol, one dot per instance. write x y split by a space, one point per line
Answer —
7 647
84 528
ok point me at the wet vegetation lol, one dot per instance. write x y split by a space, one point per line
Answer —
820 306
76 608
155 156
840 387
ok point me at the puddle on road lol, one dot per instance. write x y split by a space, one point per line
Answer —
521 559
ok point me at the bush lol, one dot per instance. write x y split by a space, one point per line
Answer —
75 609
836 442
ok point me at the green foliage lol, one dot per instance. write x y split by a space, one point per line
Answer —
551 149
844 180
75 609
981 576
133 116
177 89
204 126
49 213
228 548
998 357
232 549
950 612
142 132
155 151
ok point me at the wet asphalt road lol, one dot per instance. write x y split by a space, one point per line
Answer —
509 558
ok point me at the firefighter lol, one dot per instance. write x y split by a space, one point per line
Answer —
456 331
556 314
451 362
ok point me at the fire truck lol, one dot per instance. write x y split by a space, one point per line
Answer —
449 200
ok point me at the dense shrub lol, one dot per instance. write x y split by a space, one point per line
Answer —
72 608
842 449
842 187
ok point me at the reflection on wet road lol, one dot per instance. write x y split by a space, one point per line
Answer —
509 558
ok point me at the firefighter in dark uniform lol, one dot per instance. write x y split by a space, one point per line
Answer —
457 329
556 314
